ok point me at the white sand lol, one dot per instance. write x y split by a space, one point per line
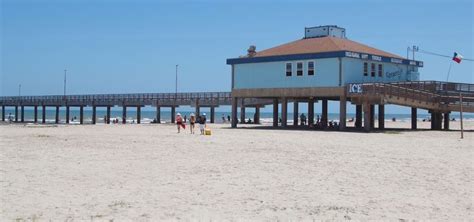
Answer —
149 173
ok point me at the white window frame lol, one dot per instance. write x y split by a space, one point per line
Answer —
364 70
373 69
302 68
380 70
314 67
286 69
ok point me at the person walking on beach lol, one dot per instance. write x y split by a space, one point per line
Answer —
202 123
192 121
179 122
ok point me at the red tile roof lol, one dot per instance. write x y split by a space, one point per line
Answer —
322 44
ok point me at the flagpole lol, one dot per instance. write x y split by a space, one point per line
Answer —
460 113
449 70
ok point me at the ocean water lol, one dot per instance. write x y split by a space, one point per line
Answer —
148 116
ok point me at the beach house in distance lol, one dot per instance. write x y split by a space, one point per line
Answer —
326 65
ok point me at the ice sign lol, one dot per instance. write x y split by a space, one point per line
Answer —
355 88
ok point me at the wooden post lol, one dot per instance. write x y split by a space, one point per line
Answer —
275 112
173 114
284 112
16 113
367 121
414 116
107 117
358 117
158 114
295 113
234 112
139 114
43 114
342 112
311 112
81 114
460 116
56 119
22 113
3 113
213 115
67 114
36 114
446 121
124 114
381 116
324 114
372 115
242 111
94 114
198 110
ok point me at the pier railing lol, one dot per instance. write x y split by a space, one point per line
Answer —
120 98
445 94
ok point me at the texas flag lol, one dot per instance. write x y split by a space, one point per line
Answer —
457 57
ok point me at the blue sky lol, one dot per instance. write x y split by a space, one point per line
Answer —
133 46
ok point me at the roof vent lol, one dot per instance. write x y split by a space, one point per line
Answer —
252 51
324 31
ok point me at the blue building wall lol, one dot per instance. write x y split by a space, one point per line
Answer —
273 74
353 71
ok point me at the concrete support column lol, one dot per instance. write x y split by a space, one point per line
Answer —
275 112
436 120
372 116
446 121
213 114
94 114
16 113
284 112
81 114
234 112
56 119
3 113
381 116
342 112
173 114
311 112
158 114
295 113
242 111
67 114
22 114
35 114
139 114
257 115
367 116
358 117
107 116
324 114
414 118
43 114
124 114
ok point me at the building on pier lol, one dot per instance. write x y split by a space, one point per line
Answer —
323 65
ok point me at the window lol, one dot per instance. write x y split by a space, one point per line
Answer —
366 69
288 69
299 68
380 70
311 68
372 69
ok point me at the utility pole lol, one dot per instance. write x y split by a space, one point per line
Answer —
19 90
65 73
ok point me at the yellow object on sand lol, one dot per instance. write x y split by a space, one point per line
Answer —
207 132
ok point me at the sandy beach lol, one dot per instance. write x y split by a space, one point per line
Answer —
149 173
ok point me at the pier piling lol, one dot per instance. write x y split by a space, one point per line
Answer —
107 117
367 120
16 113
372 116
3 113
311 112
257 115
381 116
342 112
446 121
94 114
284 112
275 112
324 114
81 115
124 114
158 114
22 114
413 118
358 117
173 114
67 114
56 119
234 112
43 114
213 115
295 113
35 114
139 114
242 111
